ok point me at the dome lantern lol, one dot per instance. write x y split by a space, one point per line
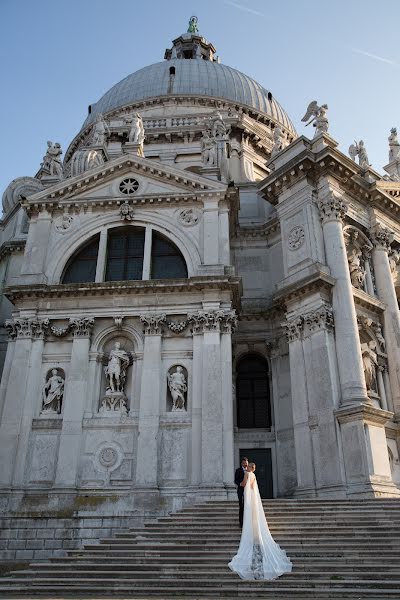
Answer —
191 45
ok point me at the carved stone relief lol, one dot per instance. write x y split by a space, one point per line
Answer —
189 217
296 237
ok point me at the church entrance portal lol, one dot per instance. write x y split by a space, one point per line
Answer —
262 458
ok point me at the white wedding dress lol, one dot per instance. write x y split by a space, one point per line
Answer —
258 557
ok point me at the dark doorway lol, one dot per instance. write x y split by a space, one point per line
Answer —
262 458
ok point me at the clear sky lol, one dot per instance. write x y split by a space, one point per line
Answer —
59 56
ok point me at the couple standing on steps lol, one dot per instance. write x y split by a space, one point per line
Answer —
258 557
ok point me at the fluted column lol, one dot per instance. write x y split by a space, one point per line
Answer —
382 239
351 373
74 403
149 410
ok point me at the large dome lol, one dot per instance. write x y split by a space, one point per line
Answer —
191 78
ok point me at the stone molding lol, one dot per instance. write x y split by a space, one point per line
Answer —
365 412
26 328
332 208
218 320
303 325
382 237
153 323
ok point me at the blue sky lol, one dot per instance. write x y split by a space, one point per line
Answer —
57 57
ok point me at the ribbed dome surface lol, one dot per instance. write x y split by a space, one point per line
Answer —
192 77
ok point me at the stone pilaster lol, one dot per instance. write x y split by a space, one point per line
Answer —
382 239
149 410
352 383
35 256
74 403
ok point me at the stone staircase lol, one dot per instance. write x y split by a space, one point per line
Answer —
339 548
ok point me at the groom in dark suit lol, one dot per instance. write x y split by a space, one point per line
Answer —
239 476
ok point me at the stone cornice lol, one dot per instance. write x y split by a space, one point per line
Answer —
153 286
317 279
363 412
11 246
364 300
259 231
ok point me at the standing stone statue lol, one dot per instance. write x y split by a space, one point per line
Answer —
357 273
101 131
115 371
52 161
319 118
394 145
209 150
218 126
178 388
136 132
52 393
370 362
277 147
358 149
193 28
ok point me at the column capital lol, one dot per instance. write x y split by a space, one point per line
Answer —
81 326
382 237
216 320
26 328
308 323
153 323
293 328
332 208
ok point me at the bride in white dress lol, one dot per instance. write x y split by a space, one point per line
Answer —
258 557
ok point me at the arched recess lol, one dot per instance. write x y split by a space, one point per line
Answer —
163 224
253 397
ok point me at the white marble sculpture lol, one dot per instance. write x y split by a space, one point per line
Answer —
208 150
278 143
317 116
394 145
219 128
370 363
136 132
52 394
101 131
358 149
178 388
115 370
52 160
357 273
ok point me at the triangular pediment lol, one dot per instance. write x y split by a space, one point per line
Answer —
153 178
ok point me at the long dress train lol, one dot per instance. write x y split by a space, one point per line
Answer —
259 556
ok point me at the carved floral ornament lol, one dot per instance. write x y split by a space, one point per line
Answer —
218 320
332 208
382 237
296 237
322 318
37 329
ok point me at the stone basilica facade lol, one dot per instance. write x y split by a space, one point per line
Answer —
194 281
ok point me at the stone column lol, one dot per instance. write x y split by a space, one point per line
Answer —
149 410
36 248
382 239
352 383
228 325
381 387
197 375
32 400
22 331
74 403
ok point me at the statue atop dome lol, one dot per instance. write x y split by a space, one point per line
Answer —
193 25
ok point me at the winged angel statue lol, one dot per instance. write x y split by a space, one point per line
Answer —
358 149
319 118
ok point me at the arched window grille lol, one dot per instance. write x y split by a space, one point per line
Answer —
82 266
123 258
253 393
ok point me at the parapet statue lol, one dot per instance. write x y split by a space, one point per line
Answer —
101 131
278 143
358 149
136 132
394 145
319 118
52 161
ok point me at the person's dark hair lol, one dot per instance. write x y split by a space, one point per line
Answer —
243 458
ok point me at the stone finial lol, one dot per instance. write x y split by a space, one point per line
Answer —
317 116
382 237
332 208
358 149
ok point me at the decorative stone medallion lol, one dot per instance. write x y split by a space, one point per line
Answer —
296 237
64 223
108 457
189 217
128 186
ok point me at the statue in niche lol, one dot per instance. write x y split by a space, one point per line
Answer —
370 363
178 388
52 394
357 273
209 150
218 126
136 132
101 131
394 145
394 260
51 161
379 336
319 118
358 149
115 370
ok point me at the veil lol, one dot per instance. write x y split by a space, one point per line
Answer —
259 556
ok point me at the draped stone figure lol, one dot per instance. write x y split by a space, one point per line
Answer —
115 371
101 131
370 363
178 388
136 132
52 394
52 160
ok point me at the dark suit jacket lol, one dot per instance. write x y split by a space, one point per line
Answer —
239 476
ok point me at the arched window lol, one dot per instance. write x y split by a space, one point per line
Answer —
125 250
252 393
166 260
82 266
